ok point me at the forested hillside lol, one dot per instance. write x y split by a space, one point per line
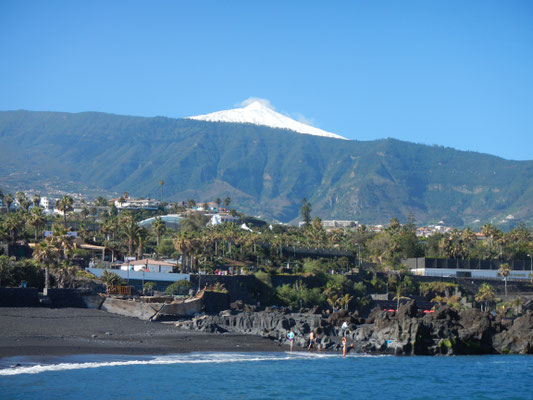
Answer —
265 171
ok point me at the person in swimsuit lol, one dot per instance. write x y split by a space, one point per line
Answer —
311 340
344 344
290 336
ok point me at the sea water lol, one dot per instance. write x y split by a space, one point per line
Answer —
296 375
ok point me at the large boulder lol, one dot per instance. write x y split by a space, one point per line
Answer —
518 339
446 331
476 332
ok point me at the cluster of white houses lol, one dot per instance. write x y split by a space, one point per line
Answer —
218 214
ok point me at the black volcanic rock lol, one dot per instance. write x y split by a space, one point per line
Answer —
518 339
445 332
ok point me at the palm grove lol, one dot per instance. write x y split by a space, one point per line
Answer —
264 250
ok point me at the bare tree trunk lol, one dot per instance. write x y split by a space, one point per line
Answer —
505 285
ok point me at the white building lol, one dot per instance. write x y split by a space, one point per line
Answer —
340 224
220 218
148 265
48 204
136 204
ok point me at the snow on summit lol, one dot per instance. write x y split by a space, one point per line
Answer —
260 114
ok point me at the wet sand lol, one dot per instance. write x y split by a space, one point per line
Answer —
65 331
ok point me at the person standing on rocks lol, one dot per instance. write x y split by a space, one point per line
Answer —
290 336
344 328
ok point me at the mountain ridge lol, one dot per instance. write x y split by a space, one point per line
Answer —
266 171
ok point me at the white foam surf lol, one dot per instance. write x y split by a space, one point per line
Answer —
198 358
194 358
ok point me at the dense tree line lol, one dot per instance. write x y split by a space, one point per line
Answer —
264 250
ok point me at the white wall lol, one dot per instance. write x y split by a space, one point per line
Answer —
476 273
147 276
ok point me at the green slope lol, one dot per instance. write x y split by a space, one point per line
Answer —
265 171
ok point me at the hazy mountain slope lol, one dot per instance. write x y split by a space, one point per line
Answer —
265 171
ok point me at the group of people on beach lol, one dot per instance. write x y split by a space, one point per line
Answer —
315 339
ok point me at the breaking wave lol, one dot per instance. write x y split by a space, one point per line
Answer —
194 358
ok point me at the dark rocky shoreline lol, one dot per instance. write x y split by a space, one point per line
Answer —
406 332
43 331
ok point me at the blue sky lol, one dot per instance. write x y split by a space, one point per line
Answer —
452 73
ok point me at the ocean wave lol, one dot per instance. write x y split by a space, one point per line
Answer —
197 358
193 358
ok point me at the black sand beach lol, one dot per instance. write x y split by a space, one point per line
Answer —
64 331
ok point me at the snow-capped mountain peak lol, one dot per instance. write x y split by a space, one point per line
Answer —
259 114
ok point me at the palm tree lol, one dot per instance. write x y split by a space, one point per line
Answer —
400 289
62 240
65 205
7 269
83 233
161 183
36 200
8 199
182 243
36 220
485 295
344 301
110 227
194 222
195 246
63 271
130 229
492 234
504 270
111 279
230 234
47 254
142 234
13 224
85 212
227 202
20 196
101 201
468 238
316 233
159 228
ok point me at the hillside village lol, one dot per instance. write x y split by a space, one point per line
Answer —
81 206
101 229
